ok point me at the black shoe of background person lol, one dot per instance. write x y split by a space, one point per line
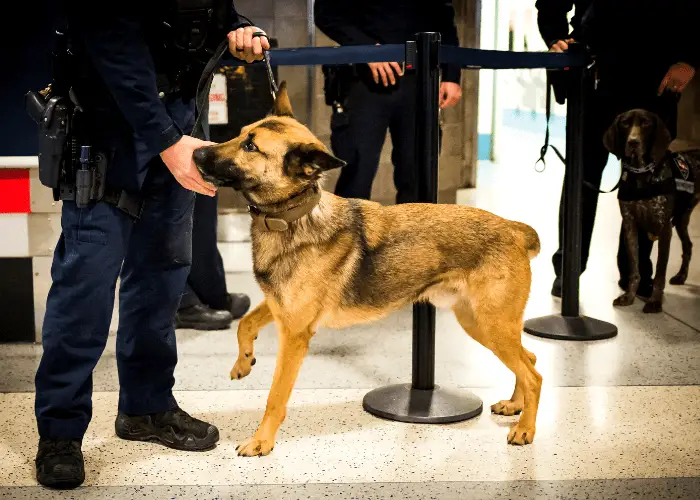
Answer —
174 429
201 317
59 463
238 304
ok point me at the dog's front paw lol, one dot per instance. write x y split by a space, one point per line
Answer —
255 448
652 307
242 368
507 407
678 279
626 299
520 434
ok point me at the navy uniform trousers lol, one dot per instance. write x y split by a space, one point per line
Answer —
207 280
152 257
359 136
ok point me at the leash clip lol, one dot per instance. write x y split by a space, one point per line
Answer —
270 76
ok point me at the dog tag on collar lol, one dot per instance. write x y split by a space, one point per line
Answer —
275 224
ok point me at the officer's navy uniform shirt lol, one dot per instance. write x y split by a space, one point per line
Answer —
121 43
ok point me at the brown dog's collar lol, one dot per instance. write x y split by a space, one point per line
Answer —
279 221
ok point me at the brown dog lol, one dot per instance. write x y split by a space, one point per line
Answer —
322 260
658 190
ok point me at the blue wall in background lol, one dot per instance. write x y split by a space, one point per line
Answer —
484 147
25 64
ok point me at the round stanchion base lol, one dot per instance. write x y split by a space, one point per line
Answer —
558 327
438 406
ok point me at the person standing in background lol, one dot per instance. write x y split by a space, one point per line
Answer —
645 56
371 98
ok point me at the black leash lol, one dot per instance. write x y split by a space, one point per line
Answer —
547 145
201 124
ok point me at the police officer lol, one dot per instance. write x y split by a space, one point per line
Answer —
136 88
381 96
645 57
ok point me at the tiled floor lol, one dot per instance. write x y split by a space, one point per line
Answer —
618 418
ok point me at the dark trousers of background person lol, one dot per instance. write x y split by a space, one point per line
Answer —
206 283
599 112
358 138
152 257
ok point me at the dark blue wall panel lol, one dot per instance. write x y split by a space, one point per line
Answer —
26 41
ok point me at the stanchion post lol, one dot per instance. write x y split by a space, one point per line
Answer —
570 325
426 155
571 265
423 401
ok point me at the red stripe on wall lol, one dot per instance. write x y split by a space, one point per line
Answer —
14 191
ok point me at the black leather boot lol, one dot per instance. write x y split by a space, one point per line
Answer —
201 317
174 429
59 463
238 305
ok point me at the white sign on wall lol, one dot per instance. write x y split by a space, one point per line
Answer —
218 106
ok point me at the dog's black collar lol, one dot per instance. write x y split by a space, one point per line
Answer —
280 220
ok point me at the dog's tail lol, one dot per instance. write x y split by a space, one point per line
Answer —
531 240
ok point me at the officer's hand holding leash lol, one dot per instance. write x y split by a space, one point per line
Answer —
243 45
178 157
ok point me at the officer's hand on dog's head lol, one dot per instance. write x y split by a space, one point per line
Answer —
179 160
243 45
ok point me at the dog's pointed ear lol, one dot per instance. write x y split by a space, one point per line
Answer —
310 161
282 106
613 139
661 139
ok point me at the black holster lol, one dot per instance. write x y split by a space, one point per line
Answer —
337 83
54 117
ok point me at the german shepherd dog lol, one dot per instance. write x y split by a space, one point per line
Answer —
658 190
326 261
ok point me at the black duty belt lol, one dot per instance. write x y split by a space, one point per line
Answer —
130 204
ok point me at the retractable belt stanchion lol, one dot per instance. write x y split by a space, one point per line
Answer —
422 401
570 325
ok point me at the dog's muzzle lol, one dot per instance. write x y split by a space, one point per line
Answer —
204 158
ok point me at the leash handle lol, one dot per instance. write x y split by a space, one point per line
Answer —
270 76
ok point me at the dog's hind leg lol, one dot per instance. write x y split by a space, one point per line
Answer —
682 230
514 405
248 329
655 302
292 349
503 338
